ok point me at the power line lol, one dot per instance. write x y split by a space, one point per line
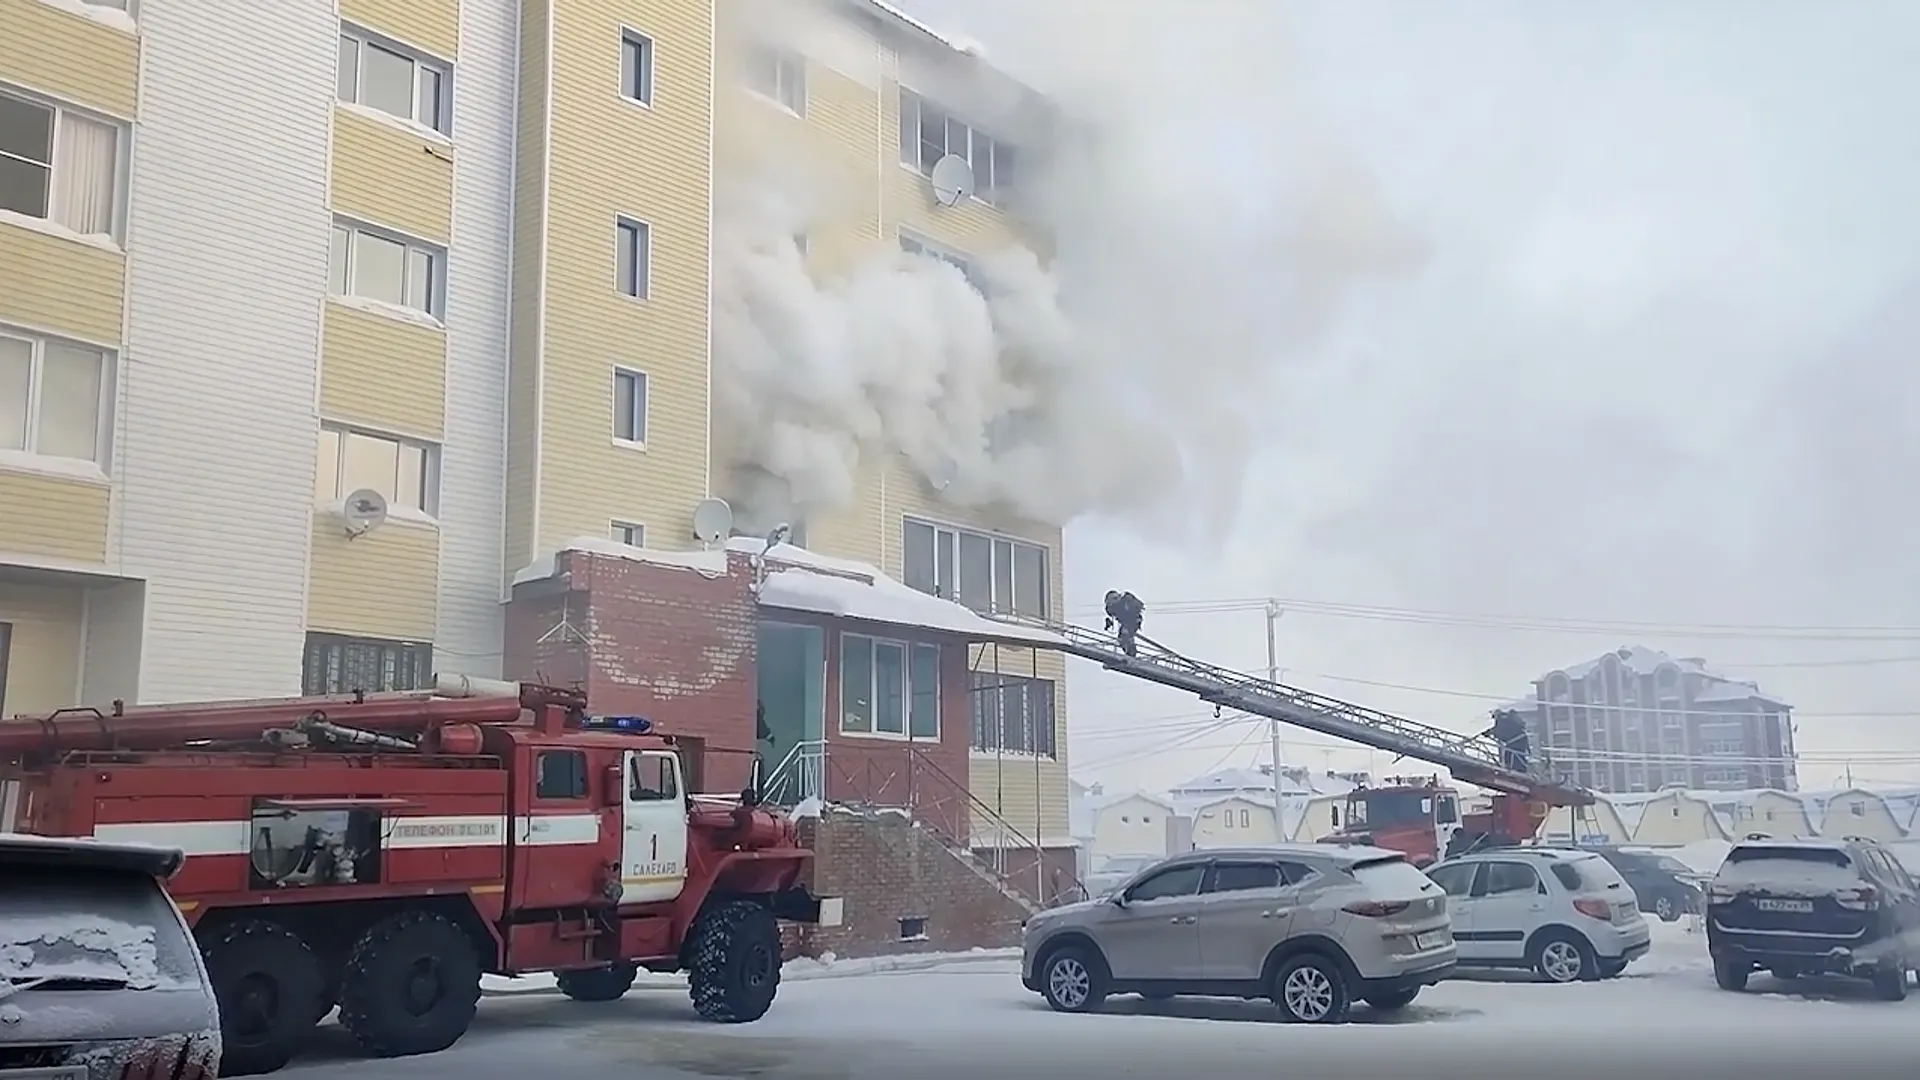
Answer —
1540 624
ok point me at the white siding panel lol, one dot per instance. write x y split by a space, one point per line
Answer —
474 462
228 264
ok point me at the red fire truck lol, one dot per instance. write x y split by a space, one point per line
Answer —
1421 817
380 852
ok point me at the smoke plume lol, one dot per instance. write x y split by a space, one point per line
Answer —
1113 378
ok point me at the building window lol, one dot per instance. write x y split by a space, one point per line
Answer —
407 473
1245 819
337 664
630 534
1012 715
780 76
913 245
636 67
889 688
55 397
383 76
928 133
630 407
386 268
59 166
633 258
984 572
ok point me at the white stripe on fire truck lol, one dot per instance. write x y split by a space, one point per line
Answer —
443 831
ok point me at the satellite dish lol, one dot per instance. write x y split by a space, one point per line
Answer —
952 180
363 511
942 475
712 521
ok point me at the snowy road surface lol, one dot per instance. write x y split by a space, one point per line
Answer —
960 1019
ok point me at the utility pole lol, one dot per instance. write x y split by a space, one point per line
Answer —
1273 726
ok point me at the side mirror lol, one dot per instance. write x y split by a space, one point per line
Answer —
613 786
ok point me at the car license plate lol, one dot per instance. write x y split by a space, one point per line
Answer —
1432 939
62 1072
1784 905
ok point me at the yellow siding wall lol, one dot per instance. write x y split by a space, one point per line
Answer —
389 176
69 56
61 285
612 157
43 662
529 254
432 26
384 373
381 584
53 517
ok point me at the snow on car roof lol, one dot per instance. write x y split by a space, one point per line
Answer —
75 851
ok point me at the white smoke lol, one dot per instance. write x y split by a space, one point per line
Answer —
1206 229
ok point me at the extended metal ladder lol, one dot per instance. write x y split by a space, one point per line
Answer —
1474 759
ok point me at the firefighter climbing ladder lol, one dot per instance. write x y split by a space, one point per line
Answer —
1474 760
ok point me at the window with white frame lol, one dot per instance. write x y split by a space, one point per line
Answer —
889 688
929 133
405 471
55 397
59 166
1013 715
633 256
913 245
376 265
381 75
630 407
630 533
982 571
636 67
779 75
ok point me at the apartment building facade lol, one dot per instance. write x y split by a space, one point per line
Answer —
1637 719
253 259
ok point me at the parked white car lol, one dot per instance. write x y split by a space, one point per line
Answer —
1568 915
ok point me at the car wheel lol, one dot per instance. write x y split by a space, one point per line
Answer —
1667 909
1312 989
1613 970
1890 983
1562 957
1074 981
1393 999
1731 974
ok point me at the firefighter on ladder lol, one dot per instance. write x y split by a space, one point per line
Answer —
1511 733
1125 611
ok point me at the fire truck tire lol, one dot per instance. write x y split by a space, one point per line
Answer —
268 984
609 983
735 962
412 985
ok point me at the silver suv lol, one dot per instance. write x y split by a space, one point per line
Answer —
1311 926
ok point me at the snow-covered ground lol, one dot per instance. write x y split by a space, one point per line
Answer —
965 1015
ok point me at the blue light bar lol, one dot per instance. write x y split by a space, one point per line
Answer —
637 725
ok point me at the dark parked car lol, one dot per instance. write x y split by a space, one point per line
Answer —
1814 907
1667 887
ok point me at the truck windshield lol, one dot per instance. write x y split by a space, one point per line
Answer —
1385 809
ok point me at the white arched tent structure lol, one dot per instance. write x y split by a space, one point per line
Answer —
1858 812
1778 815
1673 818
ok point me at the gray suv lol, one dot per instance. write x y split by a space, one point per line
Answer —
1311 926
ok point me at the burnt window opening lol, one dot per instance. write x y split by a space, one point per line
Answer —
338 664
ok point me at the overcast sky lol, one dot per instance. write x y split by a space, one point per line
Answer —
1659 367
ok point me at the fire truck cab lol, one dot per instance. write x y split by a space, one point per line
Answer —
379 853
1414 815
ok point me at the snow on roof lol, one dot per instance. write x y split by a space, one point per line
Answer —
803 580
887 601
1642 661
1736 690
1097 803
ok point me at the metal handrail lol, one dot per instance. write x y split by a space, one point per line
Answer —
804 767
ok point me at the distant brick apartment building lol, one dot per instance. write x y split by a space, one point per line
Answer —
1637 719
